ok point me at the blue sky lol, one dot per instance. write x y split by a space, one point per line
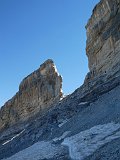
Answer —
32 31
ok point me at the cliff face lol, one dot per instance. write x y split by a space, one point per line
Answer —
83 125
36 93
103 39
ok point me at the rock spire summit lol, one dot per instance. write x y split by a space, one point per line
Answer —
36 93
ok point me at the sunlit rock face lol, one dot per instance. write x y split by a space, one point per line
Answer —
36 93
103 39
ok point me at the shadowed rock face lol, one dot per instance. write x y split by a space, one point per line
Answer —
103 39
36 93
83 125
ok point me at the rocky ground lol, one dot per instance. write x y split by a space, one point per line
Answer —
83 125
73 129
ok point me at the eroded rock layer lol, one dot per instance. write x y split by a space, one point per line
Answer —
83 125
36 93
103 39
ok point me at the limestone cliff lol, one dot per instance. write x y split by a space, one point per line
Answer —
103 39
36 93
83 125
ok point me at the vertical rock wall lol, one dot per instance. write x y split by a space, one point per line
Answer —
36 93
103 39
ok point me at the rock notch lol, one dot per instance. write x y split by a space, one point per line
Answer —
103 39
37 92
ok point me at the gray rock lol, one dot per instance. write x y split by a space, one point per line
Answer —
83 125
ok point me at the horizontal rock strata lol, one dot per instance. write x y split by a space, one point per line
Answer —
90 109
36 93
103 39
